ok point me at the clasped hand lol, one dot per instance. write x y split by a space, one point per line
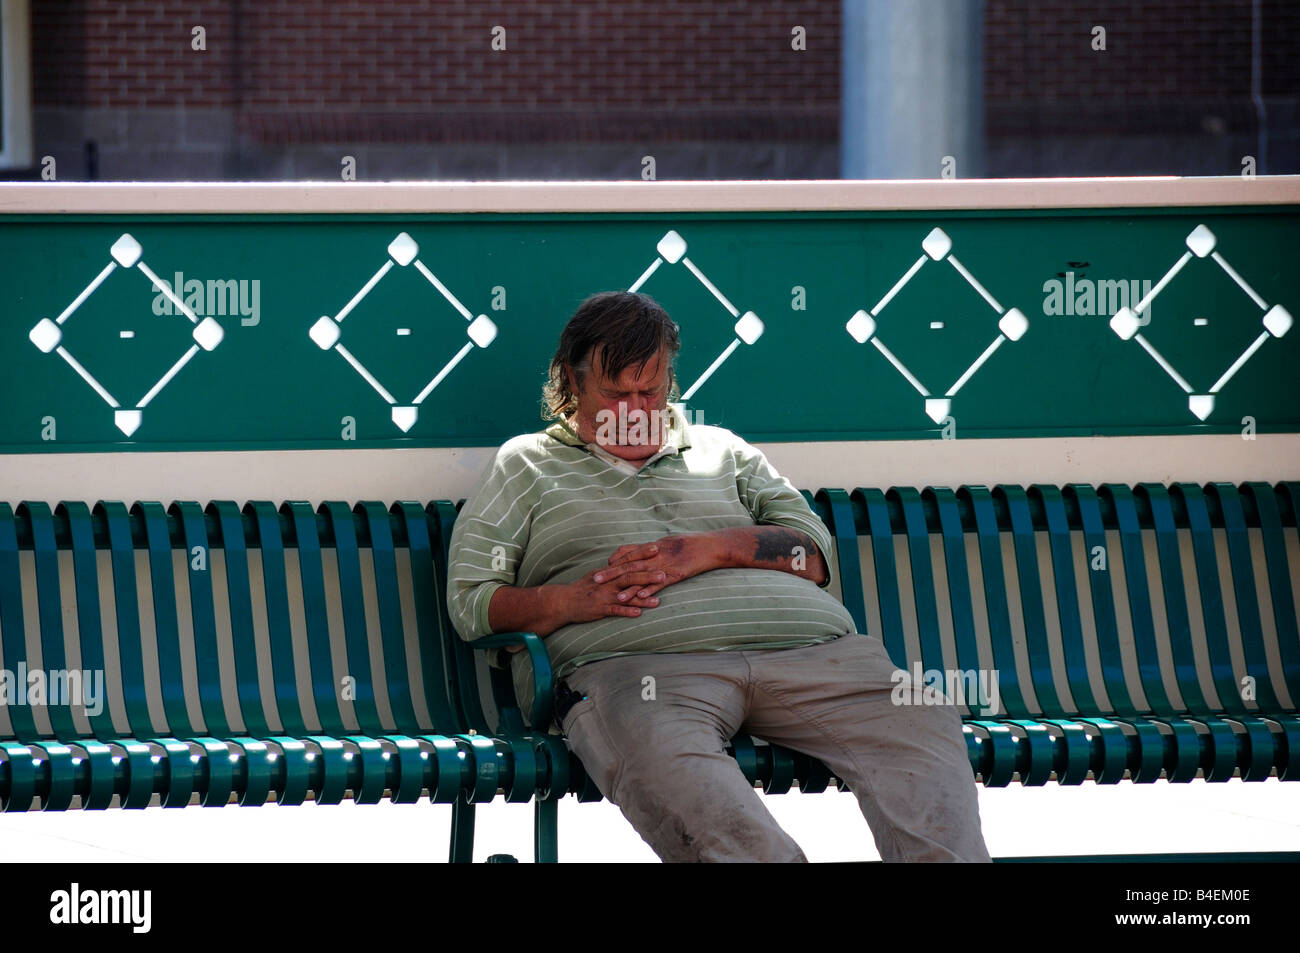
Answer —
635 572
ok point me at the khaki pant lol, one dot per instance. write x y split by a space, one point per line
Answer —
661 759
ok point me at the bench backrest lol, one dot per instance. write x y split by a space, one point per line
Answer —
1112 600
219 620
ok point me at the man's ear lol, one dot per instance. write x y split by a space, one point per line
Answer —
571 375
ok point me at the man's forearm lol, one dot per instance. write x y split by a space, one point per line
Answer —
772 547
533 609
543 609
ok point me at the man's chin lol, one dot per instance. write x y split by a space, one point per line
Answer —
632 453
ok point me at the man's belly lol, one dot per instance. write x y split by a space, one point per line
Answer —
714 611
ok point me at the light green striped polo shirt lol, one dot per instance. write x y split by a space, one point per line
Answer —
548 510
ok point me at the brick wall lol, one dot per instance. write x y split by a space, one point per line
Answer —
397 70
1166 63
279 79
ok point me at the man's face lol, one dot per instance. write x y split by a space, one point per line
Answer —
624 415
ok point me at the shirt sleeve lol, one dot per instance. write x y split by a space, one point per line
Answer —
488 542
773 500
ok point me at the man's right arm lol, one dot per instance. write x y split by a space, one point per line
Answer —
543 609
487 547
534 609
488 541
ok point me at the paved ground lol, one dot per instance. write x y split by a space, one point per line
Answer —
1234 816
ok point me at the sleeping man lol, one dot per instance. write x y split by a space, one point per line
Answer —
680 583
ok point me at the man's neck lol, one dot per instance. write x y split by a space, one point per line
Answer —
636 455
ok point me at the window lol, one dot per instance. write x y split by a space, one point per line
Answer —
15 84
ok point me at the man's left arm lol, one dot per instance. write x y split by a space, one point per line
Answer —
781 513
774 547
680 556
788 535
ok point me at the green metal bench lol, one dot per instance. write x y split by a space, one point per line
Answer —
1181 720
296 653
169 602
1090 697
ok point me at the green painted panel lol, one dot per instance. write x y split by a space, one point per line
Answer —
1005 315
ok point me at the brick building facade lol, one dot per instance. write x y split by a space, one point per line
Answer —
451 89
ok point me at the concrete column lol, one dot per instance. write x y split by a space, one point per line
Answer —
912 89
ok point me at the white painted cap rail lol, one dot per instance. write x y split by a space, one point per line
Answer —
635 196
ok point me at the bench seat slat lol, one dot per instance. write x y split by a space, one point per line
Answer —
127 616
54 655
339 522
841 524
1034 751
1210 591
886 570
1175 594
198 561
1219 757
1031 598
1259 749
923 586
1288 746
330 769
449 764
59 760
369 778
216 769
90 629
1146 752
166 624
1245 599
141 777
995 600
176 771
413 763
324 687
1139 595
13 638
1110 750
1285 626
275 581
377 522
813 776
464 702
523 771
779 776
429 611
1067 599
998 767
1103 598
1073 751
958 573
1183 749
17 776
240 600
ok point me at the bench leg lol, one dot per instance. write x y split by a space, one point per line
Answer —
462 831
546 831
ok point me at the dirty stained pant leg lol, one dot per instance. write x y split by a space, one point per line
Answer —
662 759
906 764
663 763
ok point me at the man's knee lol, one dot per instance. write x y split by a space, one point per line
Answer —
678 788
725 831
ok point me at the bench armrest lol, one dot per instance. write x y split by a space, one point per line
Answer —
543 676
